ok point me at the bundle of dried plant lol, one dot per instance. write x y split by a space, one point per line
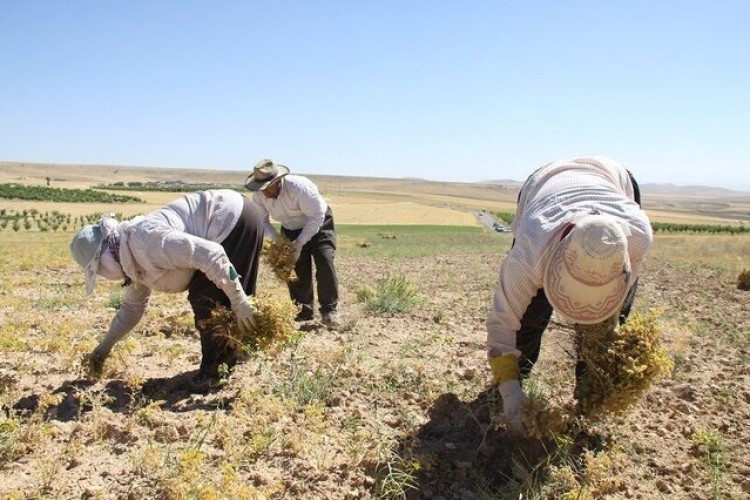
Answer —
280 255
621 364
274 326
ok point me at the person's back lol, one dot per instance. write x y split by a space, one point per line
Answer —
562 191
207 214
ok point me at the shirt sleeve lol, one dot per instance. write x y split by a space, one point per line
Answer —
131 311
171 249
268 230
513 294
311 204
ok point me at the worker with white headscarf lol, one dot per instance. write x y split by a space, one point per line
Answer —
207 243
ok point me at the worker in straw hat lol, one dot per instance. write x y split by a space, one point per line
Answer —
207 243
307 221
580 236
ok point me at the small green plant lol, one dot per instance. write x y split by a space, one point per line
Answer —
710 446
396 476
8 428
115 299
307 386
392 294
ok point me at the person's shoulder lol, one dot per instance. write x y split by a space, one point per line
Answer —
300 180
226 193
301 183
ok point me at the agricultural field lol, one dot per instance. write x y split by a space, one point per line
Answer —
396 403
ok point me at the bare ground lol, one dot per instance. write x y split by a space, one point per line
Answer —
389 405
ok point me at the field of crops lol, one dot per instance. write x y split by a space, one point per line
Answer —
397 403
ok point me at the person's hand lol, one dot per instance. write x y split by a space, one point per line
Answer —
96 361
244 312
514 400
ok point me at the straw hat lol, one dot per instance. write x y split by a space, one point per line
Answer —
264 173
588 273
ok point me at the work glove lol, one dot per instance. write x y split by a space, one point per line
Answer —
505 374
514 401
244 311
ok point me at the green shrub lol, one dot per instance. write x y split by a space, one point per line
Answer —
392 294
506 217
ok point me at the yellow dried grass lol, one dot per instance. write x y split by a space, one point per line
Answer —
279 254
274 326
621 364
542 418
545 421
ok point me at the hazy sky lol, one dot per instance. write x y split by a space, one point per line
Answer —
444 90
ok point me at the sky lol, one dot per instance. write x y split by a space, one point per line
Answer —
442 90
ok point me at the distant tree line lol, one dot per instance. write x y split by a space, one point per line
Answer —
666 227
669 227
62 195
33 219
506 217
164 186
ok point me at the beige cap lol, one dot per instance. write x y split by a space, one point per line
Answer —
588 274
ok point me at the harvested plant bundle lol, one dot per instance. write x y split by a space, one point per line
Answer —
542 418
621 364
274 326
280 255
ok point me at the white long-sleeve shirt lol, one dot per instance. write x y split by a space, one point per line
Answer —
554 195
298 206
161 251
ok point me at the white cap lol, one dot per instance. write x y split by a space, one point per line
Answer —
588 274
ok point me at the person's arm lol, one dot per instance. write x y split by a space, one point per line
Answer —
172 249
513 294
131 311
312 204
515 291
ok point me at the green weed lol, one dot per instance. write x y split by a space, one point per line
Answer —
710 446
392 294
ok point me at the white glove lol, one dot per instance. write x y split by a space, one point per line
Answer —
244 311
513 403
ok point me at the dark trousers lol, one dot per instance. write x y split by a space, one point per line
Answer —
321 249
243 246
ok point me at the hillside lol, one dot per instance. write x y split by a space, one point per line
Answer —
664 202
